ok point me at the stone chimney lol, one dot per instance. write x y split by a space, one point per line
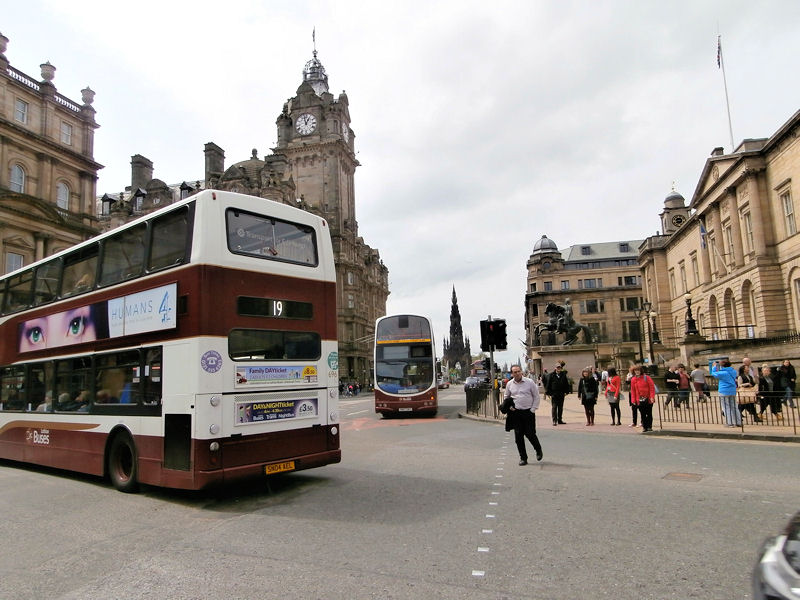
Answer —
215 161
141 171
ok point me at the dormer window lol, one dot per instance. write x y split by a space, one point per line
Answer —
105 205
586 250
624 247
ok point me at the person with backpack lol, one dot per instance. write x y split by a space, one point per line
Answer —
643 394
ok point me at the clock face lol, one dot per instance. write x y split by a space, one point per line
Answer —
306 123
678 220
345 132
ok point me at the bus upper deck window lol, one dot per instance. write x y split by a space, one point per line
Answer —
168 240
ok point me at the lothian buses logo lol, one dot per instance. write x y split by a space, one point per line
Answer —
211 361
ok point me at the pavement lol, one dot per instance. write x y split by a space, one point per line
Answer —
575 419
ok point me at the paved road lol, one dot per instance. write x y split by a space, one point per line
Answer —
419 508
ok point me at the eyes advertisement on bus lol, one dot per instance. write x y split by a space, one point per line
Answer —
250 376
151 310
273 410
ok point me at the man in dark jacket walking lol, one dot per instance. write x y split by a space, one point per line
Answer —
558 387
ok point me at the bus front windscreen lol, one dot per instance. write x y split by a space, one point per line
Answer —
404 368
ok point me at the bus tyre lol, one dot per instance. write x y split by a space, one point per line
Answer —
122 464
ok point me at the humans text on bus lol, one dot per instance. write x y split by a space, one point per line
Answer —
525 396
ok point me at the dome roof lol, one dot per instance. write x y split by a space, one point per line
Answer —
314 74
674 200
544 245
250 169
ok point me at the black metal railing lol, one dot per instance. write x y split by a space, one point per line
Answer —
709 411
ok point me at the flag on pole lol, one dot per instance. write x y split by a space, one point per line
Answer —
702 236
719 51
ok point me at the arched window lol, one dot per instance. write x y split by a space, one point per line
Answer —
62 195
17 179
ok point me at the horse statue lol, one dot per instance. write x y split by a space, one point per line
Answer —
561 321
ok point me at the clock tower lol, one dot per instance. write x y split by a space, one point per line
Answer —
314 134
675 213
315 137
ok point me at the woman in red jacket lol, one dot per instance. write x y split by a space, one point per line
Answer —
613 384
643 394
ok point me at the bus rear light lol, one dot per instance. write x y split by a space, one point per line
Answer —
214 400
214 446
214 429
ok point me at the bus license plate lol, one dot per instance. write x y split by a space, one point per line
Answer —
405 409
279 467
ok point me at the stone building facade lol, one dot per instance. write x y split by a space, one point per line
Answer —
48 175
602 284
734 260
311 167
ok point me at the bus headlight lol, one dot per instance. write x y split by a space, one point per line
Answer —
214 429
334 416
334 430
332 393
213 446
214 400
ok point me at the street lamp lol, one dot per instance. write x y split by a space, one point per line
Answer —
644 309
656 339
691 325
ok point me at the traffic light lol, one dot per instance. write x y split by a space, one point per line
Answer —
486 341
493 335
500 334
487 364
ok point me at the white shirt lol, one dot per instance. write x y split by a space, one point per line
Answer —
525 394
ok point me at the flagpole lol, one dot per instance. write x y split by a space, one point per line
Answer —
721 65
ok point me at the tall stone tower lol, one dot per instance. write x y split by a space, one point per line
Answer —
456 351
312 168
315 137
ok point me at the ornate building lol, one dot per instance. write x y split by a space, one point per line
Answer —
726 271
312 167
47 170
457 353
602 284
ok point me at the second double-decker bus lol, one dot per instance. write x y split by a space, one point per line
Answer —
191 347
405 366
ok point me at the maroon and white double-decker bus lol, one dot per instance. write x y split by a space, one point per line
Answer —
191 347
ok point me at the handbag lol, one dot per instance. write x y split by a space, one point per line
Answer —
611 397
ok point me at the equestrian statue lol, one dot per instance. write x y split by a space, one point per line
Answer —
561 321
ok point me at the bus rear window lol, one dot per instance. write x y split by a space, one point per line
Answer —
269 238
262 344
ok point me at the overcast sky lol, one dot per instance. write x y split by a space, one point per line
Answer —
480 126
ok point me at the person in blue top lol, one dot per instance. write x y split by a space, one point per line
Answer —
726 378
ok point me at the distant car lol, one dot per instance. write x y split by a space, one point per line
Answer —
472 382
443 384
777 571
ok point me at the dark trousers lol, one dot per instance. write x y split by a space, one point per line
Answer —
525 427
615 413
646 410
634 411
558 408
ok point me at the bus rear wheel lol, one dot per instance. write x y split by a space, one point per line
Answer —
122 468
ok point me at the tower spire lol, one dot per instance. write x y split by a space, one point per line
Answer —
314 72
